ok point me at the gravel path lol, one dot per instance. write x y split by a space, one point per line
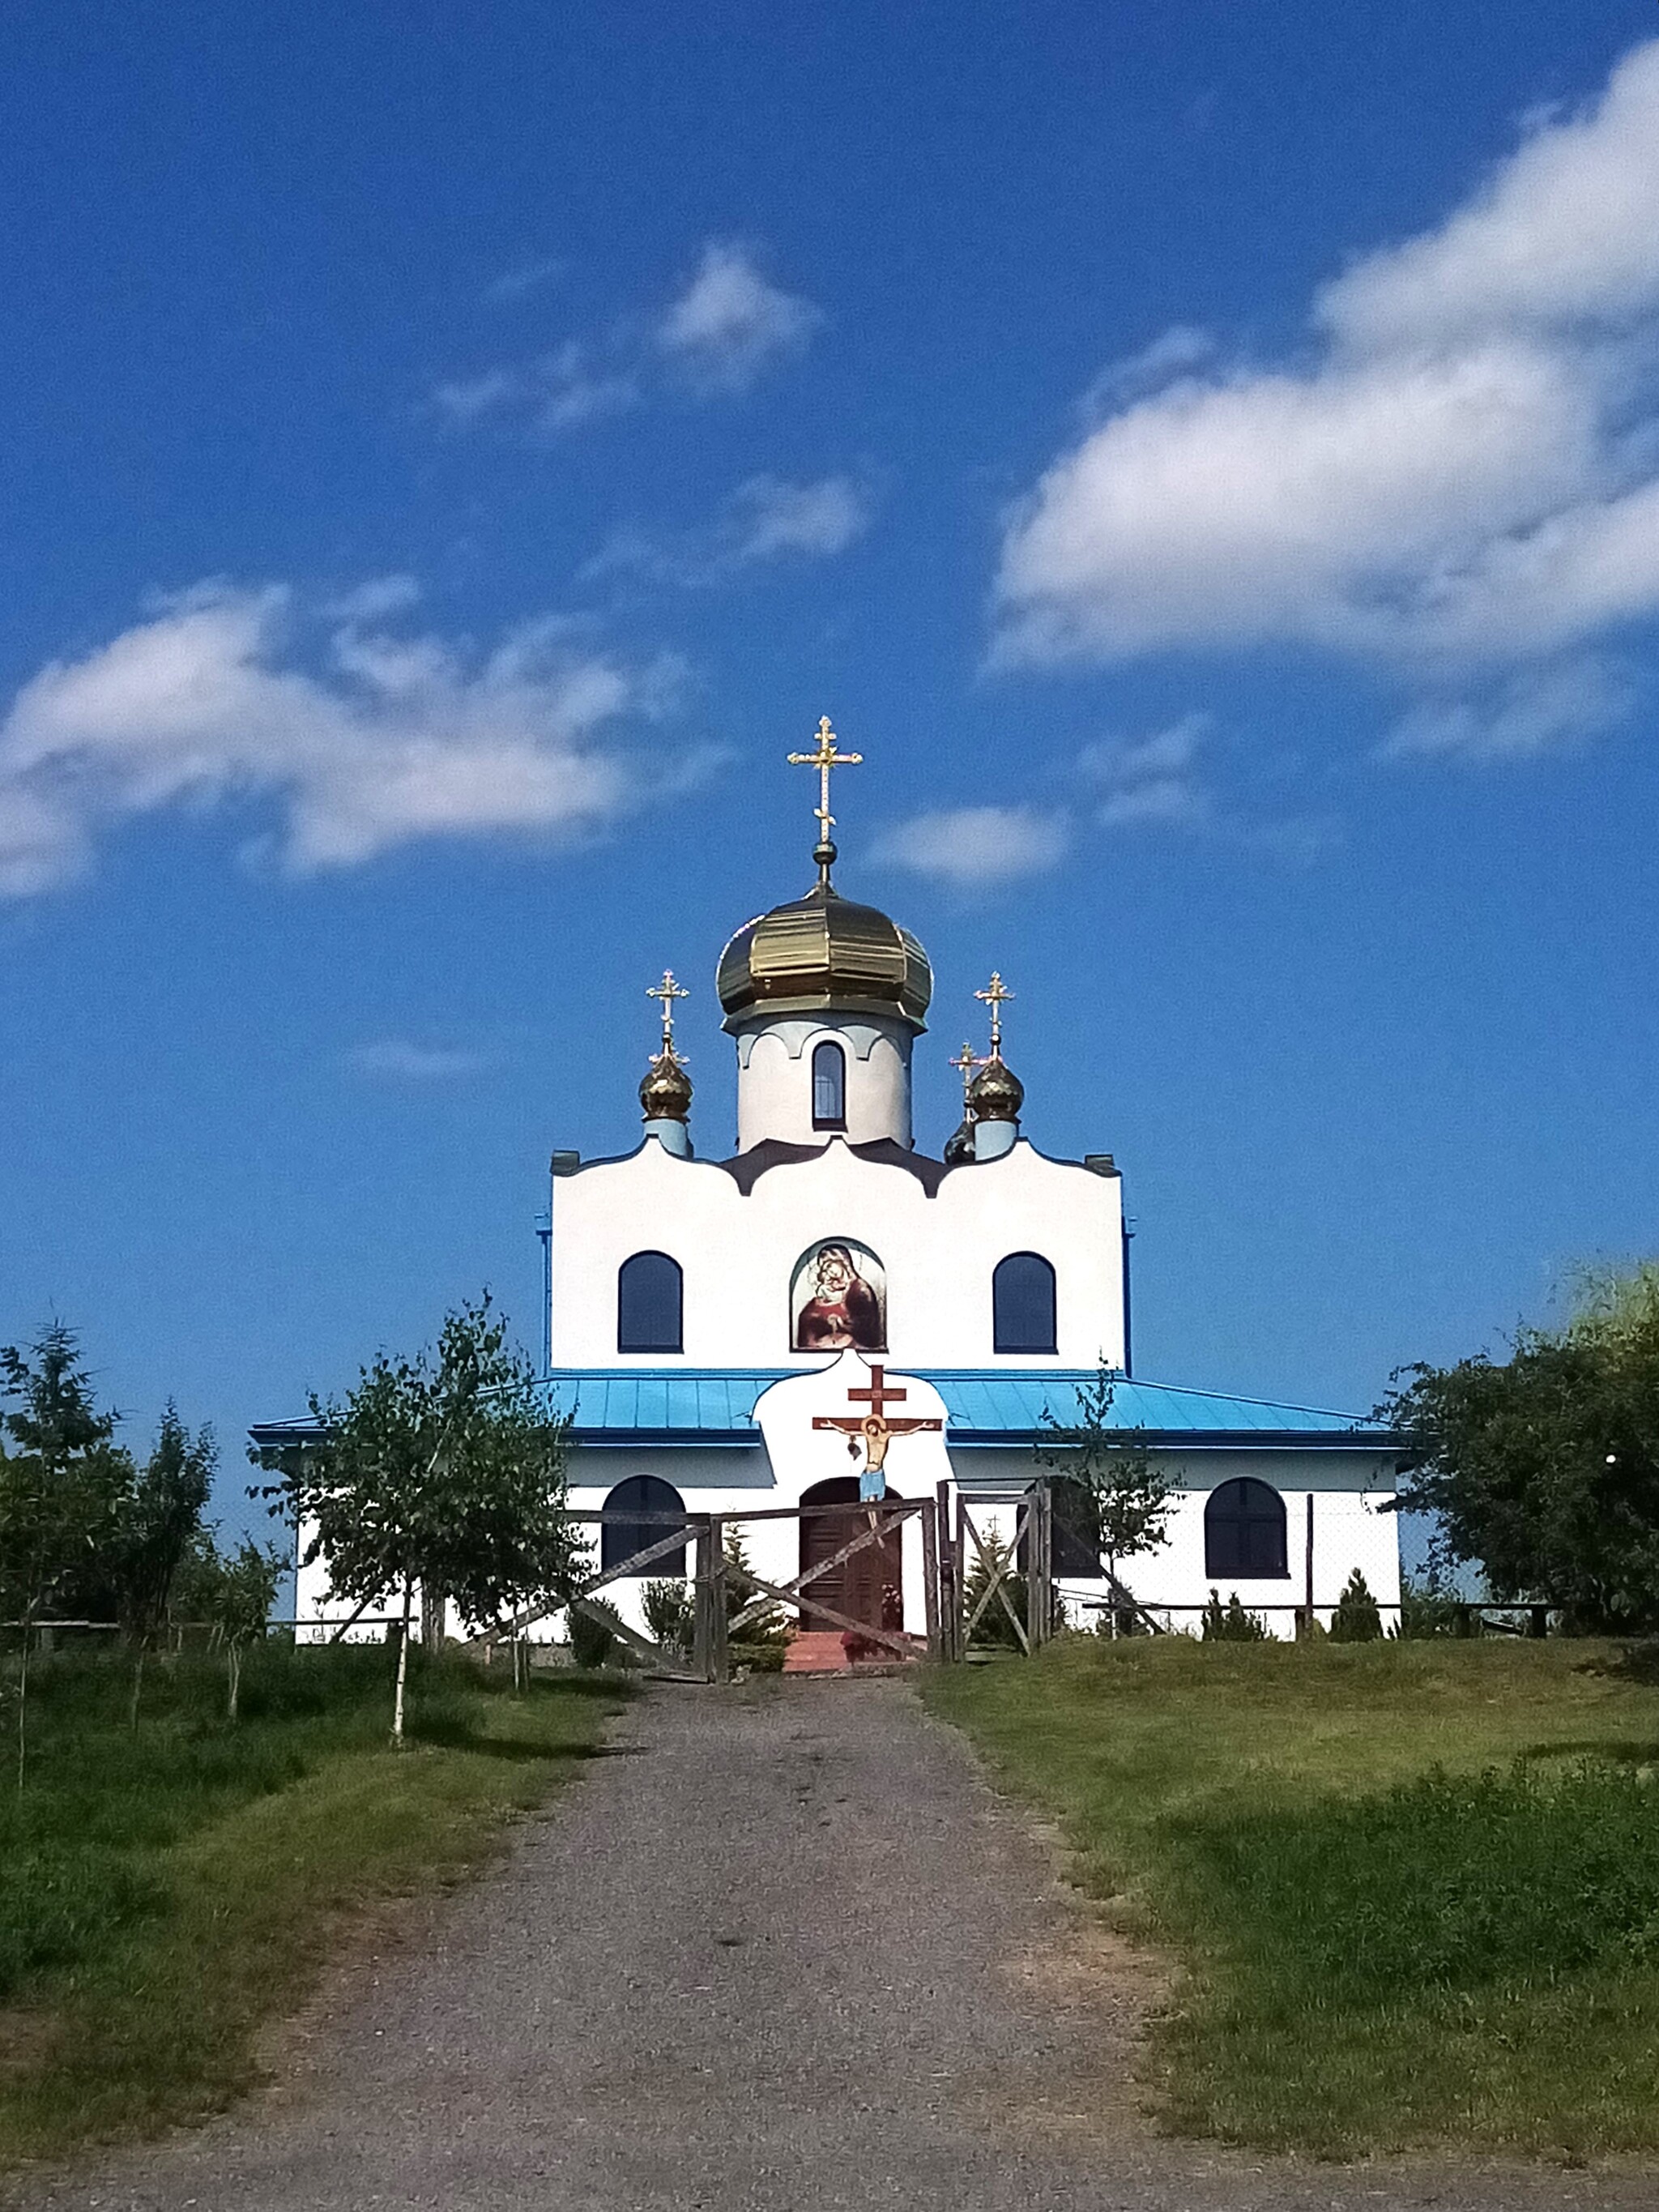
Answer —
781 1950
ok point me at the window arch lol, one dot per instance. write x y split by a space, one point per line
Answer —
829 1086
1023 1304
631 1521
650 1302
1245 1533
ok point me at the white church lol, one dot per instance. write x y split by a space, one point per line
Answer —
708 1318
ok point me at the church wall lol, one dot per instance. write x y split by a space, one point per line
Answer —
1353 1529
739 1255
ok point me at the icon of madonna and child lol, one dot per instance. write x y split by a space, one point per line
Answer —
840 1300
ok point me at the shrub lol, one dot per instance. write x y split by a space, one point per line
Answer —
1425 1609
993 1630
670 1612
1355 1620
1231 1624
593 1641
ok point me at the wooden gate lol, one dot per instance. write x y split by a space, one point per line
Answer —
851 1556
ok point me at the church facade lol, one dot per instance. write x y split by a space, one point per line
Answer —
707 1320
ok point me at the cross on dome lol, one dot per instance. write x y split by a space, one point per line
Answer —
996 996
824 758
668 990
967 1064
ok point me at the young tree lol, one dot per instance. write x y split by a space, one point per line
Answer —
444 1471
157 1516
57 1491
1124 1497
1355 1618
233 1593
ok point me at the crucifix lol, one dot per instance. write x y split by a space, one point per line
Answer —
874 1428
668 990
823 759
996 997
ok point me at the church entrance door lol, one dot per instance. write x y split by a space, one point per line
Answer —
868 1586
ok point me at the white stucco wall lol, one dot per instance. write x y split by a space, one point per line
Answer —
775 1079
739 1254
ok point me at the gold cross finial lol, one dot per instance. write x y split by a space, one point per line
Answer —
967 1062
668 990
996 997
825 759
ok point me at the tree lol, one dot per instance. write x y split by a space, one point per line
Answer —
444 1470
233 1593
1545 1468
156 1516
1126 1498
1355 1618
57 1493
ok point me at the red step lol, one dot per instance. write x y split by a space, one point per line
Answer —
817 1651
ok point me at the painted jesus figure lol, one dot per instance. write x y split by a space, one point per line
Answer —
843 1312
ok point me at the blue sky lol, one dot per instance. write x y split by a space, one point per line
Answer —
1204 461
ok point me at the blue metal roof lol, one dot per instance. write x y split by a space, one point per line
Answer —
984 1405
687 1404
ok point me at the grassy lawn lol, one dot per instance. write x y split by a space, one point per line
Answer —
1414 1886
164 1893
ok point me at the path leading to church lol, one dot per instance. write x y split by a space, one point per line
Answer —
782 1950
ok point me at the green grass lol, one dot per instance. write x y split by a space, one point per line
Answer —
165 1894
1413 1888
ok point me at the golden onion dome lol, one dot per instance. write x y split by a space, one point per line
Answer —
996 1093
823 953
666 1092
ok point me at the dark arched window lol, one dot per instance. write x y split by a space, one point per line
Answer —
1245 1533
649 1296
829 1086
1023 1304
633 1522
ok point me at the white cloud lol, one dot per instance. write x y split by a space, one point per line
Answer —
730 322
764 519
1151 779
404 1061
719 334
973 847
1465 475
358 740
523 278
772 517
1535 710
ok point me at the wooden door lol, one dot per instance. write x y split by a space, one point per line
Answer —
869 1586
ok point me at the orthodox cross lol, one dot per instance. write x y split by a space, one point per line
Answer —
968 1063
825 759
668 990
996 997
874 1427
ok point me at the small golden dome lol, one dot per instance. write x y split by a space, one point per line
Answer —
665 1093
823 953
996 1093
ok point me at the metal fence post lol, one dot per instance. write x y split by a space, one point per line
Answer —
929 1520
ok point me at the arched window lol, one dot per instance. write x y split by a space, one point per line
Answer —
632 1522
649 1297
829 1086
1023 1304
1245 1533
